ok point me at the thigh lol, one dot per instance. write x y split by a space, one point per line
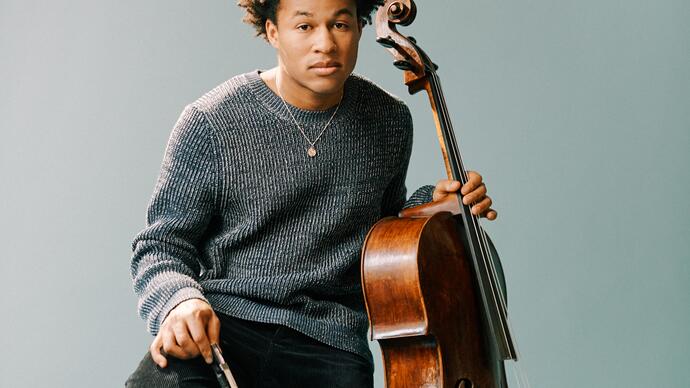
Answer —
192 373
245 345
297 360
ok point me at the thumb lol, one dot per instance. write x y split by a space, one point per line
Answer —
443 188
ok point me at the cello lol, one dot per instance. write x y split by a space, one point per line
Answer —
433 286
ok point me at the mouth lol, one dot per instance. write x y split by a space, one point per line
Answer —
325 67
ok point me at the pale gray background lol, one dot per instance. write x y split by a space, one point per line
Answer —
577 113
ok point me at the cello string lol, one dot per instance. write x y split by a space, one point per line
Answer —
521 373
483 249
481 236
518 373
455 156
520 376
446 125
478 231
515 375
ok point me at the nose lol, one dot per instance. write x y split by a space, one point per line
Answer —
324 42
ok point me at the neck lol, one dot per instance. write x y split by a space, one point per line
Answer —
297 95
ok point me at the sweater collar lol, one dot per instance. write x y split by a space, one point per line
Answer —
303 116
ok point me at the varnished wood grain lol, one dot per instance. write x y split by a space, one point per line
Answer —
420 294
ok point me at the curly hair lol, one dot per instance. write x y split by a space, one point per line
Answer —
258 11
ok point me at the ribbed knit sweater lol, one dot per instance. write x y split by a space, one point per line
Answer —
244 219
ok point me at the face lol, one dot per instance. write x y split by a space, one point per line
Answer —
317 43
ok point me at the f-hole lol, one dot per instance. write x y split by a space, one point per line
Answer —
464 383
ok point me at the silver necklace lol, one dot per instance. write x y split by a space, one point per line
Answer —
311 151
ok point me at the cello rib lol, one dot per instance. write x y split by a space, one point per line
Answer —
420 294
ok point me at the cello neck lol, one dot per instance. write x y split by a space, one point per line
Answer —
455 168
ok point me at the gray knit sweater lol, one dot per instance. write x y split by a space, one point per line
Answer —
243 218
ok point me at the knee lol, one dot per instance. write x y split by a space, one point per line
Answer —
145 375
178 373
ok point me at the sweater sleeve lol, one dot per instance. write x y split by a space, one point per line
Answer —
395 194
165 264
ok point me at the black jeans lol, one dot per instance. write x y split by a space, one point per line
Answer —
261 355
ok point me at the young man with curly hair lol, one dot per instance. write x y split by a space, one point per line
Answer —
268 186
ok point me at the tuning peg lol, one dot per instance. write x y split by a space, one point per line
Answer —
386 42
412 39
403 65
435 66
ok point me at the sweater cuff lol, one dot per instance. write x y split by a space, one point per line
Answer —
423 195
178 297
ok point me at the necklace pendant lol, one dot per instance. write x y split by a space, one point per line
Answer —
311 152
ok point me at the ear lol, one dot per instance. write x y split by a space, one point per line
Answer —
272 33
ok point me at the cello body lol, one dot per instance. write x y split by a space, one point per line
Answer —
433 284
420 294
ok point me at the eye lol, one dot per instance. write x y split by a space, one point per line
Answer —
341 26
303 27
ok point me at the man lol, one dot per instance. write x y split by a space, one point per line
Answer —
268 186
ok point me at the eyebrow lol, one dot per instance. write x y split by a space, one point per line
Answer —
342 11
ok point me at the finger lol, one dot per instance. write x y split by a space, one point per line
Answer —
155 350
474 196
452 186
185 341
170 347
214 329
482 206
198 330
490 214
474 179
